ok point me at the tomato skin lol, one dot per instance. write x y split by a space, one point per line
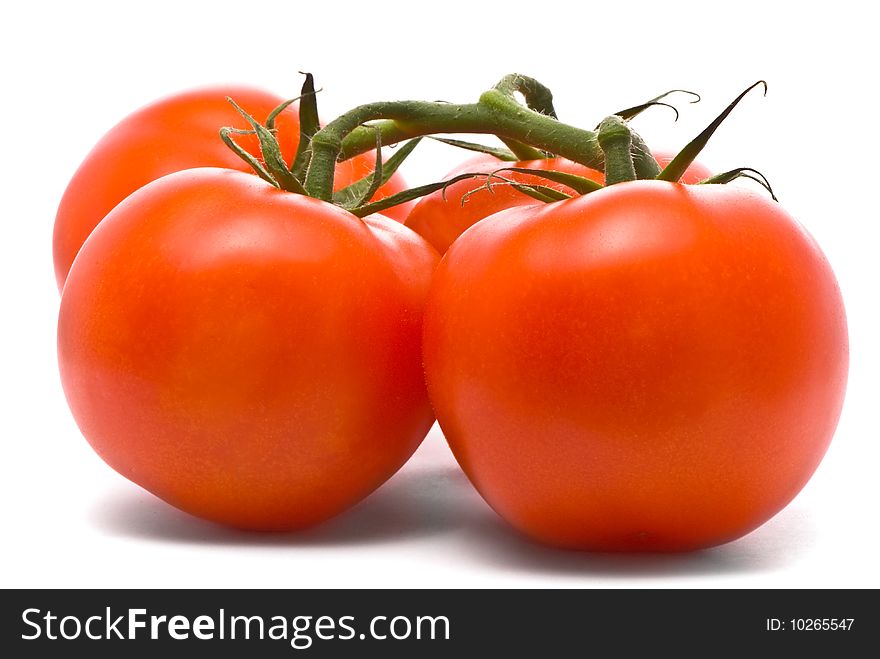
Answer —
172 134
249 355
652 367
443 216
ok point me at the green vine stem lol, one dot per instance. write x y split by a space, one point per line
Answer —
497 112
538 98
615 139
643 161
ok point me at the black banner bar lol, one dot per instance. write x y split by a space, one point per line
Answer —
432 623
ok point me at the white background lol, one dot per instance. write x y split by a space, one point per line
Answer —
71 70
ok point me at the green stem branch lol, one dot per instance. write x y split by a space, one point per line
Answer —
615 138
495 114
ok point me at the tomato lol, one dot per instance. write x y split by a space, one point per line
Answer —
443 216
652 366
175 133
249 355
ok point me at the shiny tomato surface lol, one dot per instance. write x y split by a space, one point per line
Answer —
249 355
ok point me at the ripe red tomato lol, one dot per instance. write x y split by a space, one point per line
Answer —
249 355
442 216
175 133
652 366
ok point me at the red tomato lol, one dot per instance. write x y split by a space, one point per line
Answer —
175 133
441 217
652 366
249 355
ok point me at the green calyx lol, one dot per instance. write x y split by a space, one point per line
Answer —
620 148
676 168
530 130
272 167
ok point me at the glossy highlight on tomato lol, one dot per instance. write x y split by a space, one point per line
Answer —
249 355
649 367
175 133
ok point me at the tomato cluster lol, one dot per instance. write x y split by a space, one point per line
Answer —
654 365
